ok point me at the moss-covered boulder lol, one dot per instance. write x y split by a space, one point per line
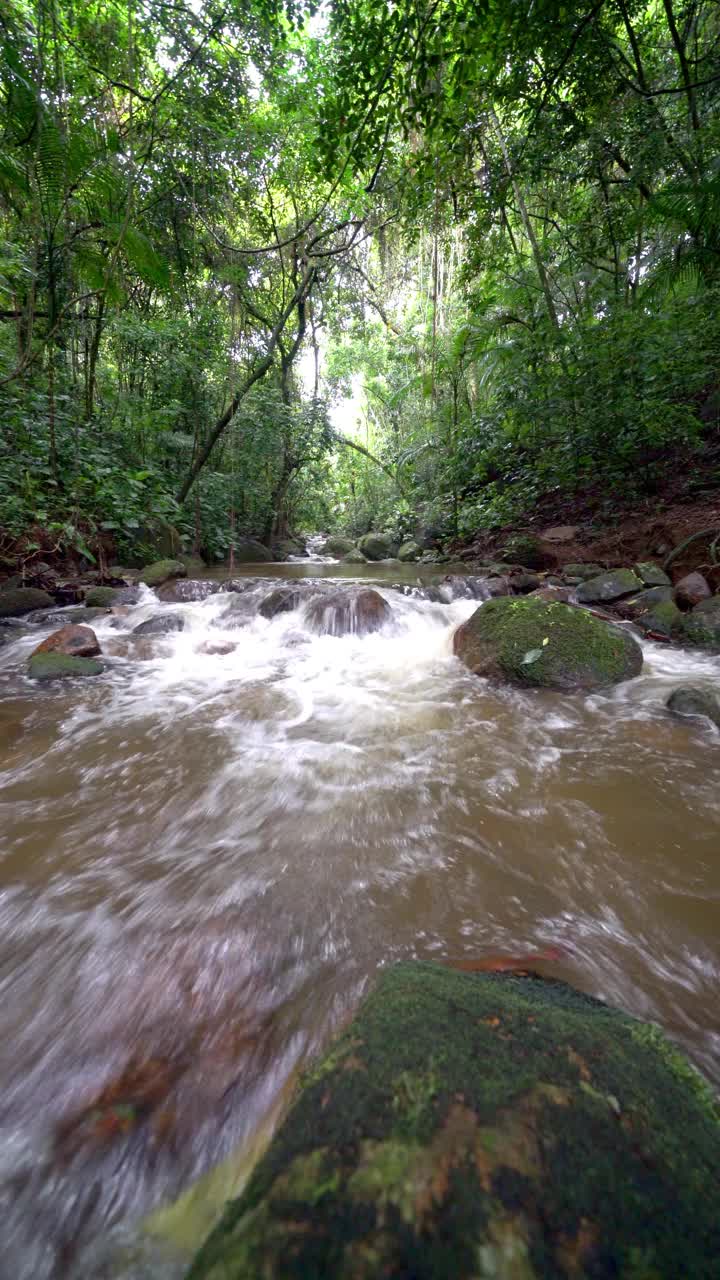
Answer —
702 625
336 545
609 586
581 571
529 641
103 597
484 1127
689 700
16 601
250 551
651 574
409 551
354 557
61 666
378 546
162 571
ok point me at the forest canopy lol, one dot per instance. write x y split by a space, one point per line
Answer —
267 267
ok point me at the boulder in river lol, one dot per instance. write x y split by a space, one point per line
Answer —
355 557
688 700
532 642
56 666
702 625
103 597
484 1127
378 546
282 600
188 589
75 641
336 545
16 601
612 585
160 625
691 590
161 571
353 611
250 551
409 551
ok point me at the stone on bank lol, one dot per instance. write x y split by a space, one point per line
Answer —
484 1127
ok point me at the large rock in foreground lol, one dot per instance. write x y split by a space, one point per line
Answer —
484 1127
356 611
532 642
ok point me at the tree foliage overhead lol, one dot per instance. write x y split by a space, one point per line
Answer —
496 221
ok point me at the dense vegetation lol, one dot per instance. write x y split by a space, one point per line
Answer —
497 222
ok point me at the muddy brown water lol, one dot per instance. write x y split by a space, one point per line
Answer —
205 857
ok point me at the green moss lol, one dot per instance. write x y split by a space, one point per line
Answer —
55 666
665 618
101 597
161 571
608 586
702 625
556 1137
547 644
15 601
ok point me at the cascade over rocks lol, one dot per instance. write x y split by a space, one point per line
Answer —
75 641
160 625
484 1127
353 611
528 641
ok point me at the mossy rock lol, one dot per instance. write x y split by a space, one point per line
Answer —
702 625
663 619
529 641
354 557
162 571
612 585
378 546
60 666
336 545
250 551
409 551
581 572
472 1126
195 565
651 574
16 601
102 597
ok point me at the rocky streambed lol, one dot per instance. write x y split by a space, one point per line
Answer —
277 785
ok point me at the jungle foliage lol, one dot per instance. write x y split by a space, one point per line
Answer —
495 222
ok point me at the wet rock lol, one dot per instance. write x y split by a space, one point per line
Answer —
161 571
357 611
217 647
409 551
702 625
283 600
250 551
286 547
651 574
526 550
338 546
634 606
355 557
16 601
691 590
187 589
160 625
612 585
378 546
524 583
530 642
458 587
75 641
663 619
691 701
474 1126
238 586
61 617
581 572
498 586
553 592
56 666
102 597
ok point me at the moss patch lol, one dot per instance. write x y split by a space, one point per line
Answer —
15 601
161 571
555 1138
57 666
551 645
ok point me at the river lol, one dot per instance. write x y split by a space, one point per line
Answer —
205 857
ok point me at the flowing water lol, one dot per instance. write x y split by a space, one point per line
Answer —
208 851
